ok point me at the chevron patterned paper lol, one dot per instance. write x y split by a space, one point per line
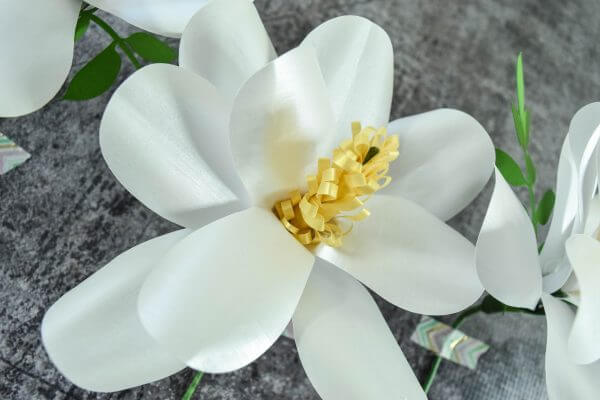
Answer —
11 155
451 344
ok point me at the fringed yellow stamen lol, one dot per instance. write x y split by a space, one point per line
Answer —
357 169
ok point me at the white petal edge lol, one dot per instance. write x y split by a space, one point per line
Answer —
553 257
409 257
37 51
506 250
592 220
584 341
576 185
446 158
357 62
221 297
226 43
279 126
164 135
164 17
345 345
92 333
566 380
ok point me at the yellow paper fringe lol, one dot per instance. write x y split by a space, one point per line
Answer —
357 169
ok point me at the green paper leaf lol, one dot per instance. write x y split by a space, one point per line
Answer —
518 127
96 77
531 174
520 113
545 207
83 23
520 85
151 48
490 305
510 169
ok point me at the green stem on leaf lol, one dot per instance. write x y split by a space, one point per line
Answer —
438 360
193 386
118 39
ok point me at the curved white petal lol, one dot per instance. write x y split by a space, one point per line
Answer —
226 43
584 342
506 250
572 290
345 345
584 134
164 136
280 126
592 220
566 380
553 258
576 185
93 334
221 297
446 158
36 43
164 17
409 257
357 62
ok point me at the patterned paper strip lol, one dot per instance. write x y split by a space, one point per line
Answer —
11 155
451 344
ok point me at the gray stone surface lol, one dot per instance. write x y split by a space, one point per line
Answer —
63 215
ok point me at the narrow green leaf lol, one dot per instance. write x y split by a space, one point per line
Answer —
151 48
518 126
96 76
83 23
510 169
527 126
520 85
530 167
545 207
521 101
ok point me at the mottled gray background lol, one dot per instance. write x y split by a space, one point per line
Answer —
63 215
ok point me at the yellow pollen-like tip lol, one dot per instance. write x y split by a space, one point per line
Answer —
358 168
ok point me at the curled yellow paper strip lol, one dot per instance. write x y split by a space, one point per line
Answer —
340 188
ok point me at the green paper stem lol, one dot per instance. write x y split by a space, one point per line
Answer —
193 386
118 39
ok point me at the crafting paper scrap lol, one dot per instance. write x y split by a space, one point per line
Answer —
450 343
11 155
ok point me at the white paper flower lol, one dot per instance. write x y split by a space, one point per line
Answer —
211 146
511 270
36 42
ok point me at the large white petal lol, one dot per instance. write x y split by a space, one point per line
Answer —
584 342
345 345
592 220
553 258
221 297
446 158
164 17
507 257
584 134
226 43
164 135
93 333
357 61
576 185
409 257
566 380
281 125
36 43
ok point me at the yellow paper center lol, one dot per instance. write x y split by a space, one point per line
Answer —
340 188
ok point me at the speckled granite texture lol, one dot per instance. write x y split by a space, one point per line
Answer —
63 215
